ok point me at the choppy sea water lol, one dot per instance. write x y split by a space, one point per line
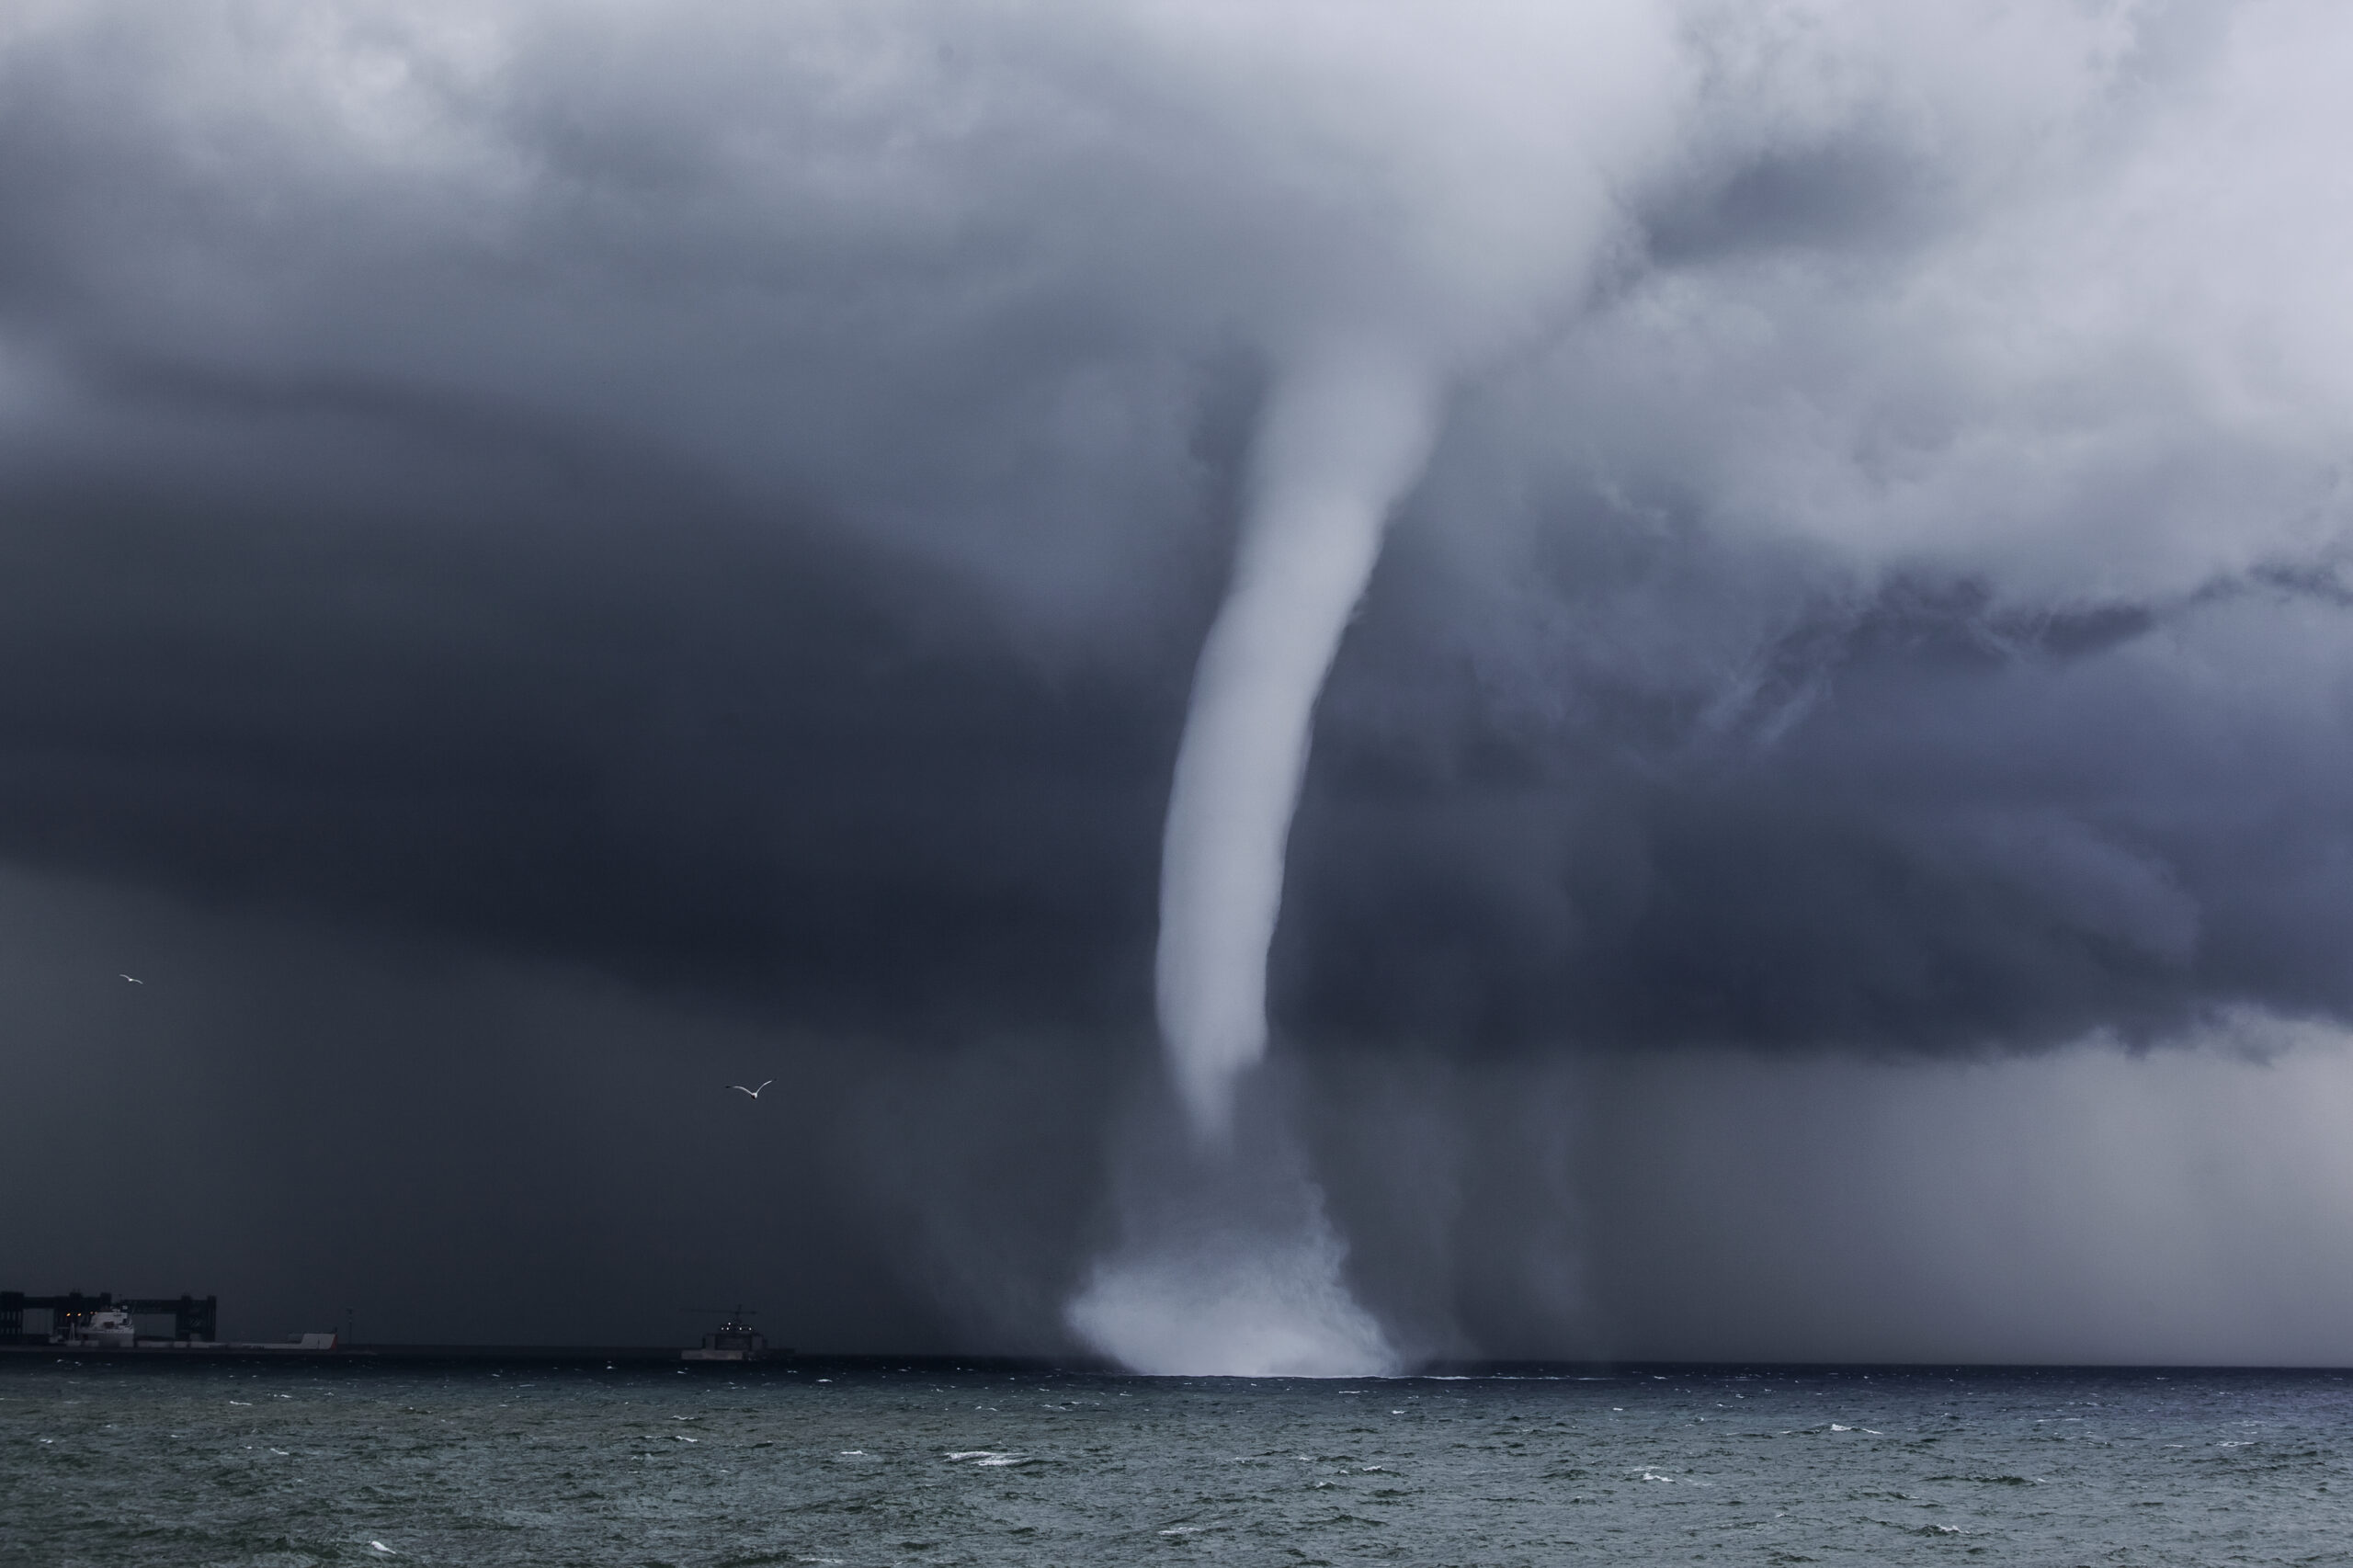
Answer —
111 1464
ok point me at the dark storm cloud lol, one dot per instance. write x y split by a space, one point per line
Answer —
1937 825
732 500
554 558
573 707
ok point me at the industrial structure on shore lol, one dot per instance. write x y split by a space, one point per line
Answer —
101 1321
178 1326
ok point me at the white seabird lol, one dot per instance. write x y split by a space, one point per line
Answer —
754 1093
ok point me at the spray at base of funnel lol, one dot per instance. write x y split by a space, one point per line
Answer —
1240 1308
1227 1264
1344 435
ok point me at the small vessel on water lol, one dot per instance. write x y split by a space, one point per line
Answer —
110 1328
734 1340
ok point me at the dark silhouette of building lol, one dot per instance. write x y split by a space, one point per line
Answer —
193 1317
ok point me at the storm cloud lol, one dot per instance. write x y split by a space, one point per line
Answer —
722 503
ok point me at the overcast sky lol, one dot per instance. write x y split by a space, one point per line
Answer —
556 557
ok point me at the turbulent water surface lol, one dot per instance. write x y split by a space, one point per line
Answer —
285 1465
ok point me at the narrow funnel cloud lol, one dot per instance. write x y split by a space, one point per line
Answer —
1345 432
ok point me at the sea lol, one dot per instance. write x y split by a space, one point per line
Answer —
108 1464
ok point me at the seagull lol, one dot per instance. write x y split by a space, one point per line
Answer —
754 1093
133 978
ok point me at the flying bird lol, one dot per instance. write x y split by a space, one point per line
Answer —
134 980
754 1093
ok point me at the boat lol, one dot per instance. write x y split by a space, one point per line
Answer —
110 1328
734 1340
